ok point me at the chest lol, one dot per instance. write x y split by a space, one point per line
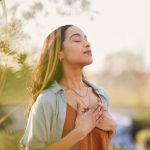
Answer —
86 101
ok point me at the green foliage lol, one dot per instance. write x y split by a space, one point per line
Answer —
15 88
21 58
10 141
6 122
10 53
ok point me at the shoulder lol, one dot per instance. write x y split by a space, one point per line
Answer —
99 89
102 92
46 99
46 96
104 95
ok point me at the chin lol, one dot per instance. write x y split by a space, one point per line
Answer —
88 62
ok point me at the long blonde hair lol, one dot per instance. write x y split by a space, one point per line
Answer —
49 68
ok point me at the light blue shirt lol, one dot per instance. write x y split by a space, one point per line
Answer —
47 116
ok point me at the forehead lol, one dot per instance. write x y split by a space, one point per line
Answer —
73 30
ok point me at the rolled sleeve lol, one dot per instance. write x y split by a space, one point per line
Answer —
35 132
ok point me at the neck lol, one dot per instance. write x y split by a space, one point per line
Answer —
72 78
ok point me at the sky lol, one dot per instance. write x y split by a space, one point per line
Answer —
121 25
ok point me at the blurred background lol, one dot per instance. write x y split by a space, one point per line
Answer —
119 32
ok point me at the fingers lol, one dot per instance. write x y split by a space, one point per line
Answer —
79 109
103 108
98 120
93 108
98 115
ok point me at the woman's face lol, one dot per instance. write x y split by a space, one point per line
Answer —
76 49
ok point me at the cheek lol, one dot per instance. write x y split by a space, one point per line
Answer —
72 56
73 52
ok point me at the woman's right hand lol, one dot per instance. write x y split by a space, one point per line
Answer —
86 121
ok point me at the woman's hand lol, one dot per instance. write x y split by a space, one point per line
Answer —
106 122
86 121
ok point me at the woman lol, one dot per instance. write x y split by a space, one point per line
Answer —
67 112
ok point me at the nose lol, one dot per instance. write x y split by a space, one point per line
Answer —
87 44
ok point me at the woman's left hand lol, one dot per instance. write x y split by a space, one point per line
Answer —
107 123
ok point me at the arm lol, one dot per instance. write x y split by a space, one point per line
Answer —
85 122
107 123
66 142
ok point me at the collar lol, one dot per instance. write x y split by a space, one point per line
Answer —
56 87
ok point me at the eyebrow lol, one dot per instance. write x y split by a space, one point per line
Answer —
77 34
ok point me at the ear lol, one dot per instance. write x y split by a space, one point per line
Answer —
61 55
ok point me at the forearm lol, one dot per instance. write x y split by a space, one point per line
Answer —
66 142
107 123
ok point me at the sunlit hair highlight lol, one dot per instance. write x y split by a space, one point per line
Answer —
48 68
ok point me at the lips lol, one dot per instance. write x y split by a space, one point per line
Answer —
88 52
